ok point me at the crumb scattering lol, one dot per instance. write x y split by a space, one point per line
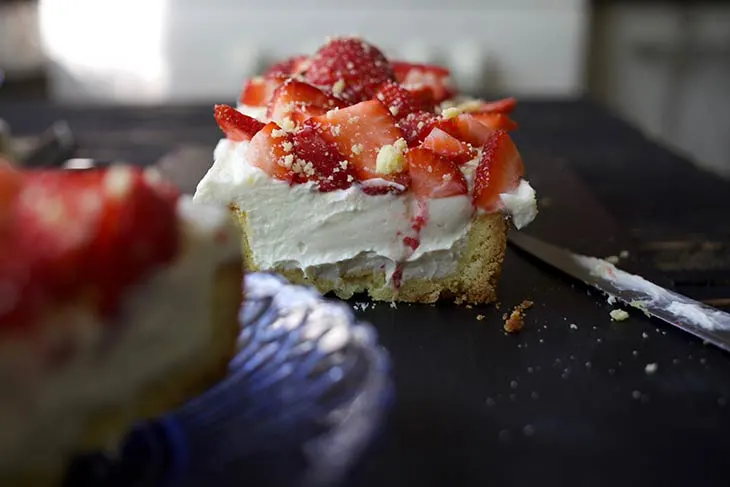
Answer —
618 315
480 317
651 368
516 320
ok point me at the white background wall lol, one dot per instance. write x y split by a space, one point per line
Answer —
206 48
666 68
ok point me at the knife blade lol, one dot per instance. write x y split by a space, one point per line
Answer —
705 322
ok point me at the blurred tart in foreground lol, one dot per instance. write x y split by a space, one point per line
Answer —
118 301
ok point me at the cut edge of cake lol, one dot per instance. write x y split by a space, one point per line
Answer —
473 282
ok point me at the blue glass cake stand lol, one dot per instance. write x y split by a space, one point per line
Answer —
306 393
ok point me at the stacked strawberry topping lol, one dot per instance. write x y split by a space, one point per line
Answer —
79 237
347 115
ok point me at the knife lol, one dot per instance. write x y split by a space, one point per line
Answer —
705 322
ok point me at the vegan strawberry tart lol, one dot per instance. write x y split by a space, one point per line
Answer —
357 174
118 301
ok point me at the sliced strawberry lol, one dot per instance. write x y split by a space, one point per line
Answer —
320 161
257 91
434 176
504 105
295 101
237 126
425 98
351 68
289 67
416 126
359 132
466 127
401 69
413 76
495 120
401 102
268 151
449 147
499 171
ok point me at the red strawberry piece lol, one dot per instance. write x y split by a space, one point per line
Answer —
434 176
416 126
359 132
495 120
137 232
414 76
499 171
268 151
257 91
295 101
289 67
466 127
425 98
11 182
449 147
351 68
58 213
401 102
320 161
237 126
504 105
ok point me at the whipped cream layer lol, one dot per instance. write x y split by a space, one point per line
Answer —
164 323
331 234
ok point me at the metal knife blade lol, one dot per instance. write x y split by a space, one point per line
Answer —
703 321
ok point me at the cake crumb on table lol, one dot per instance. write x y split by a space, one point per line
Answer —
651 368
516 320
480 317
618 315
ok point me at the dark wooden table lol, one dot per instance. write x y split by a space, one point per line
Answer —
555 403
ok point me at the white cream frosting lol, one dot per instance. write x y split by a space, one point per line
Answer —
165 322
520 204
328 234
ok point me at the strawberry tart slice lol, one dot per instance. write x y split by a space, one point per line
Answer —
118 301
357 174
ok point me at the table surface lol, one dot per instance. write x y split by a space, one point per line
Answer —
555 402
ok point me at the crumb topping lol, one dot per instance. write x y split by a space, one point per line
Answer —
451 112
288 124
118 181
391 158
338 87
